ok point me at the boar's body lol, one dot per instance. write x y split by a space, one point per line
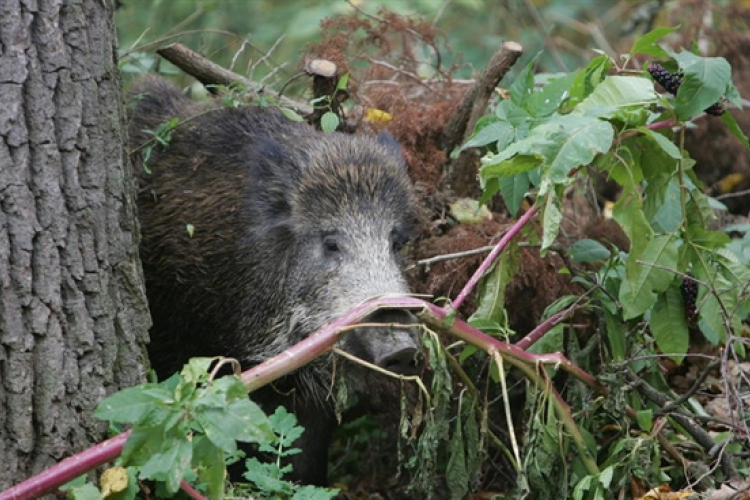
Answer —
289 228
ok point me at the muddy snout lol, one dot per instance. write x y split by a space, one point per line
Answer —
394 346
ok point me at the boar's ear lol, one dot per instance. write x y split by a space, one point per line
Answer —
392 146
273 175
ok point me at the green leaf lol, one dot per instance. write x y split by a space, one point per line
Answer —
169 465
456 475
664 143
619 91
669 216
85 492
735 129
291 114
491 296
588 251
514 190
668 324
645 419
648 274
647 43
552 219
314 493
132 404
548 99
208 461
489 129
628 212
506 164
523 84
706 80
580 139
617 335
587 79
329 122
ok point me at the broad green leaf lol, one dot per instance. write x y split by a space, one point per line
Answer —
706 80
291 114
647 44
490 132
648 274
668 324
664 143
170 465
133 403
587 79
669 217
84 492
548 99
507 164
618 92
588 251
628 212
208 461
314 493
580 139
240 420
142 443
514 190
523 84
711 322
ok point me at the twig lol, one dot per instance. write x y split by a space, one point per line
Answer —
209 73
512 232
474 103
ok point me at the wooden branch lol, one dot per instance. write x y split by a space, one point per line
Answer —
474 104
210 73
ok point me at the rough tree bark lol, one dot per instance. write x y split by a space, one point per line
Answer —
73 315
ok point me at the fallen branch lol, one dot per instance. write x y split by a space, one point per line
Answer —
209 73
474 103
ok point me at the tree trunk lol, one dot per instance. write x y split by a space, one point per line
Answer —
73 315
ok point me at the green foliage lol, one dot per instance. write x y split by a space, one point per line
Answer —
187 427
551 131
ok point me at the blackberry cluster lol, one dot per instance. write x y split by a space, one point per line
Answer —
672 81
689 289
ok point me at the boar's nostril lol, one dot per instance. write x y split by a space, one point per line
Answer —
406 361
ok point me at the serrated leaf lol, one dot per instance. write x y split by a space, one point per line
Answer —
329 122
239 420
706 80
588 251
619 91
647 43
668 324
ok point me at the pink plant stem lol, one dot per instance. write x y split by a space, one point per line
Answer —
191 492
512 232
662 124
67 470
547 325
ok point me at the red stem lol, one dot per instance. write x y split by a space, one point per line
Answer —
512 232
191 492
49 480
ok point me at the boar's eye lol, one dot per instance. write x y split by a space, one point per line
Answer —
331 245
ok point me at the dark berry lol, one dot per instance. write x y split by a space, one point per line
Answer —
689 289
716 109
670 81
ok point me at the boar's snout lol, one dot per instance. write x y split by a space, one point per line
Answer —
394 346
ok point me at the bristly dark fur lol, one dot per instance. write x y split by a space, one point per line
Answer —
259 190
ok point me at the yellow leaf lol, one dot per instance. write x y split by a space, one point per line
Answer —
113 480
374 115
